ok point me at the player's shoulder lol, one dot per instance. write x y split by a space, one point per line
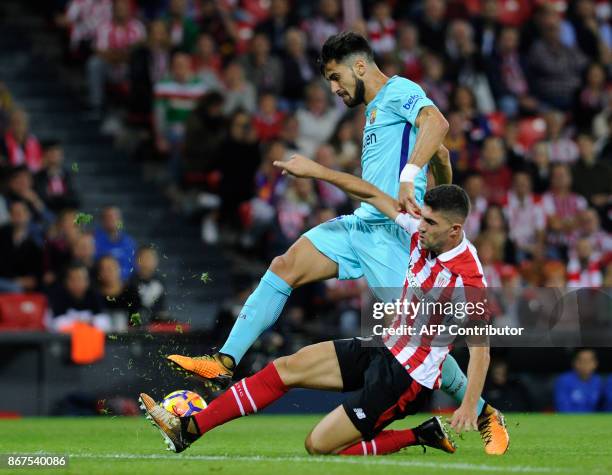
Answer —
400 87
464 262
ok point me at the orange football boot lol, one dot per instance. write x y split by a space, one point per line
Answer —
492 427
213 369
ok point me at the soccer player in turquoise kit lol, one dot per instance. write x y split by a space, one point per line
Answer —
403 131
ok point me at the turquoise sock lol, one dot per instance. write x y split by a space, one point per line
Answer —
260 312
454 382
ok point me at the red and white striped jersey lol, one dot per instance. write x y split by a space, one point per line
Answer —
442 278
113 36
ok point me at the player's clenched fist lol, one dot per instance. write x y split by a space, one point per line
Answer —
407 201
299 166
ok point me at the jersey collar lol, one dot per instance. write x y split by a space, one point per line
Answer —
455 251
379 94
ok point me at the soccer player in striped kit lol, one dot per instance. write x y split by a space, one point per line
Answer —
389 380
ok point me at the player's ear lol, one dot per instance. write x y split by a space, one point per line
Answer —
359 67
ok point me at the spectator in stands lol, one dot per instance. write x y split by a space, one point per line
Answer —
215 20
494 229
207 63
57 249
591 97
317 119
487 27
82 19
381 28
496 174
326 23
474 187
433 81
579 390
345 146
149 286
19 145
149 64
590 228
584 267
114 39
490 262
21 187
83 251
409 55
20 255
111 240
239 92
475 123
175 98
561 148
554 68
298 68
507 393
593 37
205 131
183 30
268 119
539 167
458 145
466 65
562 207
329 195
432 26
54 182
525 215
591 177
277 25
508 77
263 70
120 300
241 160
75 300
294 210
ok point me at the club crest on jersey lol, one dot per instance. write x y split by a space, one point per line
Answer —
373 116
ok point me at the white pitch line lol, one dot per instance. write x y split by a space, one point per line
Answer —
331 459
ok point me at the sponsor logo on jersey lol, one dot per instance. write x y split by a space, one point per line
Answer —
411 102
373 116
369 139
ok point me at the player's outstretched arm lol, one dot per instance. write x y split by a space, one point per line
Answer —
441 167
466 416
302 167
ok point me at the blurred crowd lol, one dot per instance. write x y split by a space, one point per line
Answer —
217 90
46 245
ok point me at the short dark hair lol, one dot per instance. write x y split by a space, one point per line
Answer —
339 46
448 198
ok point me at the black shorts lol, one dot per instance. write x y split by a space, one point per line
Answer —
383 390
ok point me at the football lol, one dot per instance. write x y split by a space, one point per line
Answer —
183 403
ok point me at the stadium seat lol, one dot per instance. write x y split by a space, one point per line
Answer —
531 130
22 311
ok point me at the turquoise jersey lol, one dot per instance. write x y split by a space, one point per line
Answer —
388 139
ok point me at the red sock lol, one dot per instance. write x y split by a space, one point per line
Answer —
387 442
243 398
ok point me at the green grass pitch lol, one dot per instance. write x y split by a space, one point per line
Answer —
268 445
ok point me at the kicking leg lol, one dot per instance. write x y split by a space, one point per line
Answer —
300 265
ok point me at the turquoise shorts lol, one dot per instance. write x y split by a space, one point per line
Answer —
377 251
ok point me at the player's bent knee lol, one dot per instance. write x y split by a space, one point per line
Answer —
289 369
282 266
314 447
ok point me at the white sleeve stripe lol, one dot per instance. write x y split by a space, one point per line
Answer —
373 447
364 447
238 401
246 390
